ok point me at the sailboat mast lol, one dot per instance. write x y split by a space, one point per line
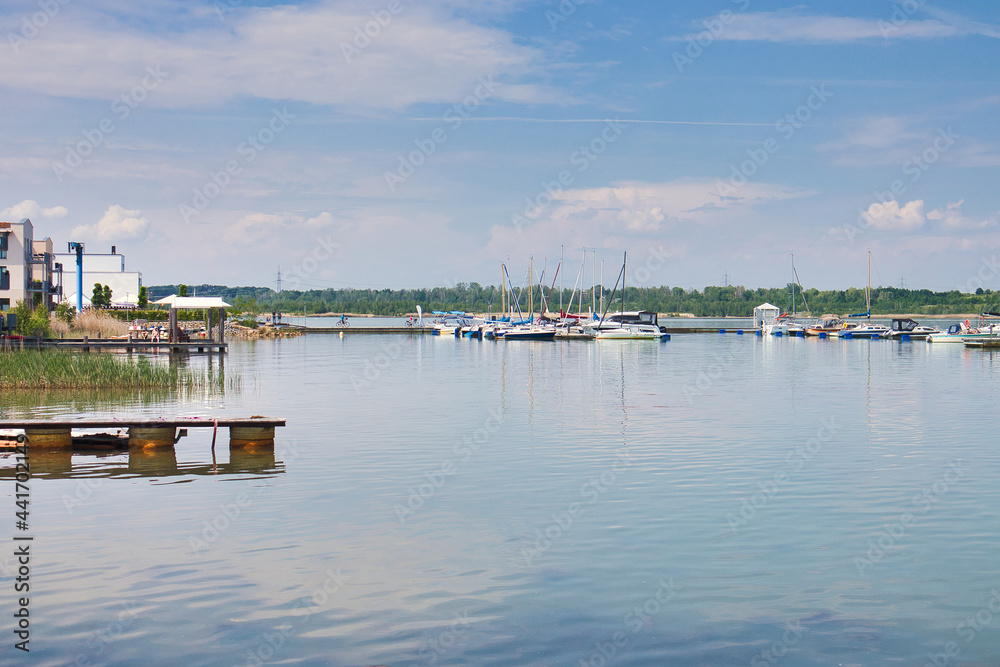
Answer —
619 279
503 294
517 303
624 263
868 290
531 288
793 284
797 281
602 284
593 290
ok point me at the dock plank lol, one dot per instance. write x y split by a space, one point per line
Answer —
179 422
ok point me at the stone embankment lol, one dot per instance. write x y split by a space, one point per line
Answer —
239 331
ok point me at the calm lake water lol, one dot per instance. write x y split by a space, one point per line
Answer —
709 500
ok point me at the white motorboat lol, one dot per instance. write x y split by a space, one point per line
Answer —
864 331
627 332
827 325
778 327
904 326
442 329
963 331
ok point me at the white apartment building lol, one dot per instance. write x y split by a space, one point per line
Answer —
27 269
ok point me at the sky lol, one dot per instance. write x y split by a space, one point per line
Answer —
405 143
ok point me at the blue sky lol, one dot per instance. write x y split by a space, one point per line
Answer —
396 143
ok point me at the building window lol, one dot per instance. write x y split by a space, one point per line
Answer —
4 278
3 245
4 304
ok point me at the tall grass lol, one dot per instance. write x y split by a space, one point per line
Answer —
98 324
58 369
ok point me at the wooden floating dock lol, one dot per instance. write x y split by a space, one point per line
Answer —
428 330
367 330
129 345
249 433
984 343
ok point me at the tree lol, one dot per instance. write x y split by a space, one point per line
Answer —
65 312
182 290
107 296
246 311
97 298
143 297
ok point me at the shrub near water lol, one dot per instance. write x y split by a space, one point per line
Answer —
60 369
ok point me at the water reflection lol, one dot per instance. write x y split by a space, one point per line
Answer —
138 462
708 421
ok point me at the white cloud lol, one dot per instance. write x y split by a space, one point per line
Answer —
324 219
287 53
793 27
630 212
29 208
268 228
951 217
118 224
892 216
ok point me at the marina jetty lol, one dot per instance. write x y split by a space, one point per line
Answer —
248 433
430 330
126 344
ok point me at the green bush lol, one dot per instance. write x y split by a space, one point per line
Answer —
32 322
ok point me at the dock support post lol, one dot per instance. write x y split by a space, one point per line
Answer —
251 437
42 438
151 436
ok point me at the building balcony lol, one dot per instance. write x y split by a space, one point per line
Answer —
40 286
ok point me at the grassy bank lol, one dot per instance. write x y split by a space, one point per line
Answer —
45 369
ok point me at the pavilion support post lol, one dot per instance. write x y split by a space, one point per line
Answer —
211 311
172 325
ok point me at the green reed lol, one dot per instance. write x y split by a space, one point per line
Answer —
58 369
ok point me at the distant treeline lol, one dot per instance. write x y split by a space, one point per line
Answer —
710 302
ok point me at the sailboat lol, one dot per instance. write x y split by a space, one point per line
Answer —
867 330
785 323
623 330
524 329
